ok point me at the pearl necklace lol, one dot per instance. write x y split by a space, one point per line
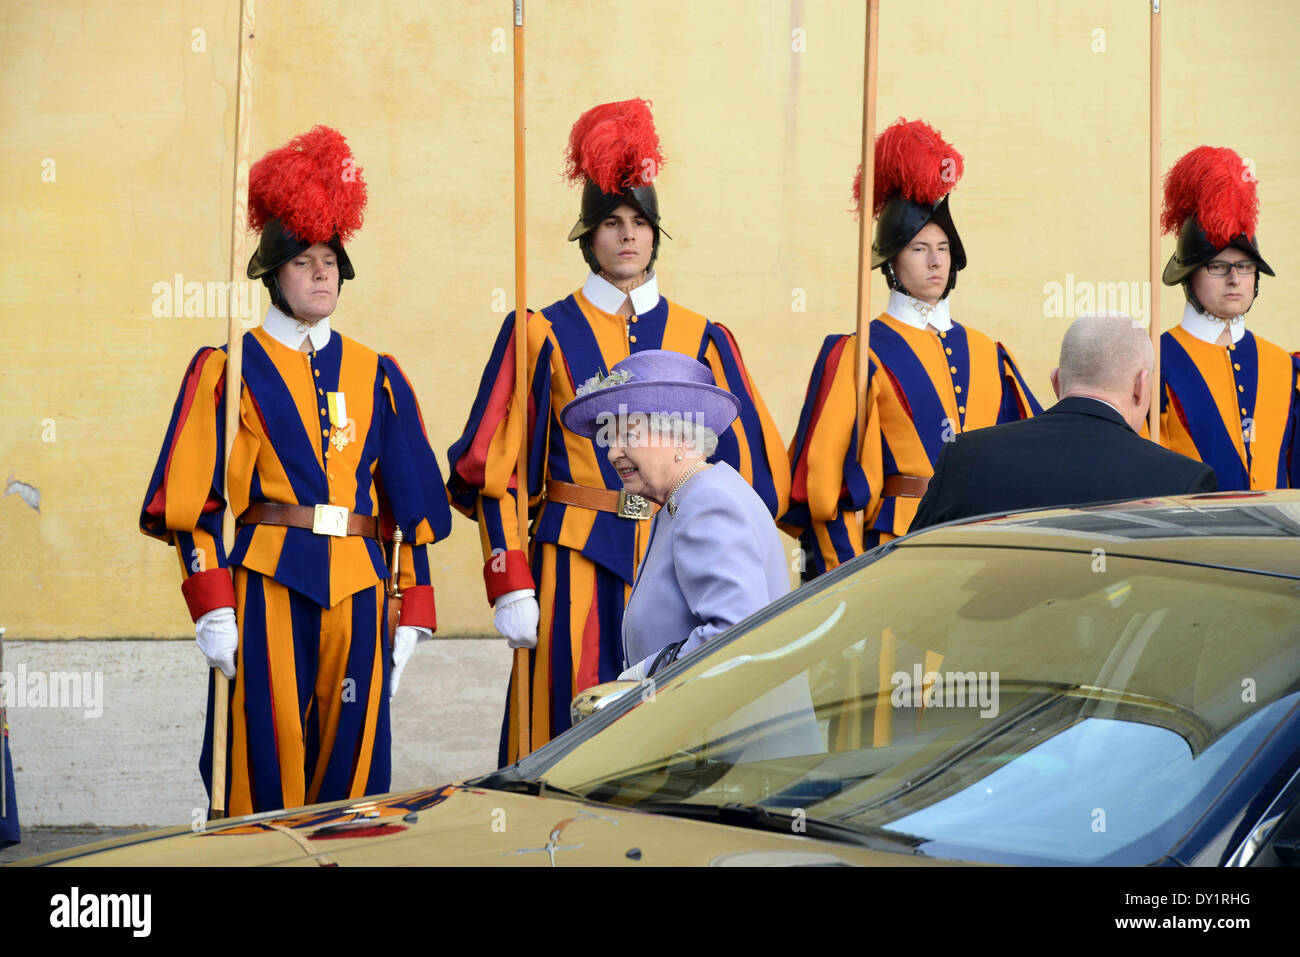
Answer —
691 470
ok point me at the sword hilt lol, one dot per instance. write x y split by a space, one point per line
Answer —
393 591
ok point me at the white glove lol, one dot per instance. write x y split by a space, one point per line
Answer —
404 640
637 671
516 617
218 638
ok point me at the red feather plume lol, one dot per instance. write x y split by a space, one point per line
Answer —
311 184
1218 187
914 159
615 146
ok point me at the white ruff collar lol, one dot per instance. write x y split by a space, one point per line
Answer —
607 297
288 331
916 313
1207 328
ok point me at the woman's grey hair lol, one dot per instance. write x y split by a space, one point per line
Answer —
683 430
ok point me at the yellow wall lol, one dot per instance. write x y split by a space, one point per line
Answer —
761 142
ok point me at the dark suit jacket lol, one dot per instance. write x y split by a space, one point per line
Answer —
1078 451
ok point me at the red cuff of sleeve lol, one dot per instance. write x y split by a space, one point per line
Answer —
207 590
506 571
417 607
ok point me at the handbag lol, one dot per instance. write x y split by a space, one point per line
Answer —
667 655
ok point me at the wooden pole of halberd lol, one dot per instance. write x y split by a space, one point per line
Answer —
519 681
864 220
1153 241
234 365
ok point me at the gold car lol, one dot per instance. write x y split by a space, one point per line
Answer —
1107 685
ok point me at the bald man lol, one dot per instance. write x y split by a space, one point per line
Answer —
1085 449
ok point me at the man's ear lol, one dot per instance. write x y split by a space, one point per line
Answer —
1142 391
1056 381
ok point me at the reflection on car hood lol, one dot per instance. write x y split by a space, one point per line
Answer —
461 825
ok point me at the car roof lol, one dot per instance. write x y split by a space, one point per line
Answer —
1250 531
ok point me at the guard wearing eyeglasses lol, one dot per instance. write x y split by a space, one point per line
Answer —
1227 396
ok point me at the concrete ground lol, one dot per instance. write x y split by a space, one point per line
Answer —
43 840
128 757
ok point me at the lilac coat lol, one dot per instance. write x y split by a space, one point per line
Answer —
714 563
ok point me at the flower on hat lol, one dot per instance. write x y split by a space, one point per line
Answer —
599 381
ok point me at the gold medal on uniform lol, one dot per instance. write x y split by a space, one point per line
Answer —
338 418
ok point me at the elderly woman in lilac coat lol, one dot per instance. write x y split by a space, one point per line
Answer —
715 556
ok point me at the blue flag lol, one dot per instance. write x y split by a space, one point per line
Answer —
9 820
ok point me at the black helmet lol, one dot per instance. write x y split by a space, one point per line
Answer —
899 221
597 204
276 248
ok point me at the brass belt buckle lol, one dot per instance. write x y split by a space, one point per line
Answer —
330 520
632 506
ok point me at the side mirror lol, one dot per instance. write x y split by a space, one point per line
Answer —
590 700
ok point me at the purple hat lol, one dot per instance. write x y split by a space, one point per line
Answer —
656 380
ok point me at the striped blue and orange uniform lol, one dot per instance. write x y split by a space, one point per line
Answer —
10 833
923 388
1233 407
309 716
583 561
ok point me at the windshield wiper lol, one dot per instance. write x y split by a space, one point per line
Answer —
538 787
759 818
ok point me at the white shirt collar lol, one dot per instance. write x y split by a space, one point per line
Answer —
607 297
916 313
1208 328
290 332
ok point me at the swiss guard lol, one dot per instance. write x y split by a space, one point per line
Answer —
1227 397
330 459
929 377
559 588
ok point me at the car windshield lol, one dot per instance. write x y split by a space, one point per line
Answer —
986 704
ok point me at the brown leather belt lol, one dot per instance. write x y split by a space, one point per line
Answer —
321 519
621 503
906 486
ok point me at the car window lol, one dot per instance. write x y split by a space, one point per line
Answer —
1144 787
991 703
